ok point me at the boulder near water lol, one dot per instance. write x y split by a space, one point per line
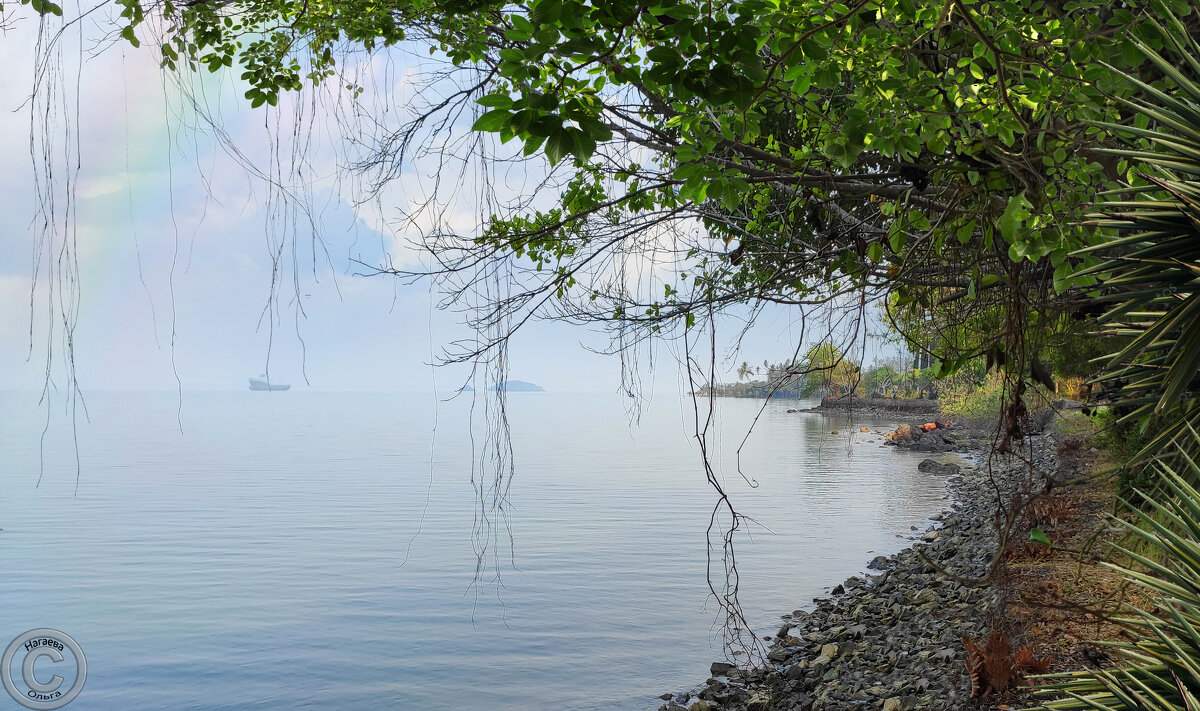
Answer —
932 466
932 436
902 436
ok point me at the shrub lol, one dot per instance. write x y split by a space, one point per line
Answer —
972 399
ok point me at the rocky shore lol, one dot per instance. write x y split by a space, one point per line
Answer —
891 639
877 405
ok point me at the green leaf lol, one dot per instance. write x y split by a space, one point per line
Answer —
558 145
496 101
1131 54
546 12
516 35
532 144
965 232
493 121
795 71
127 33
1037 536
595 130
585 145
521 22
45 7
1013 219
813 50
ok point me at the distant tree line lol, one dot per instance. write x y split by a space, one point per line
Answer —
826 370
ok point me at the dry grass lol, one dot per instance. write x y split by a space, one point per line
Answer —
1061 599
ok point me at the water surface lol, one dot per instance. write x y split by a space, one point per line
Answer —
308 550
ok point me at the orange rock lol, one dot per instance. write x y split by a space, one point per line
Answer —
864 429
929 426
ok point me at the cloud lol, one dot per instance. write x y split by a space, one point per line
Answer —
184 228
98 186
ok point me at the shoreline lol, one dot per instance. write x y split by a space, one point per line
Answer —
909 407
890 639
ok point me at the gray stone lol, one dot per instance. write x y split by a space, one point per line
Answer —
932 466
856 631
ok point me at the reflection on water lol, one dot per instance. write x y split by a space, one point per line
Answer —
298 550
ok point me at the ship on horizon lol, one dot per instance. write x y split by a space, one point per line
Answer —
262 383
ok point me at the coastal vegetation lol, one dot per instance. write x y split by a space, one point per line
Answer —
811 379
826 371
1150 276
1013 183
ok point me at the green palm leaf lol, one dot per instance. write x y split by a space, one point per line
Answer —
1151 269
1162 662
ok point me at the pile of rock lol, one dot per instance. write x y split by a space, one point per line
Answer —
891 641
932 436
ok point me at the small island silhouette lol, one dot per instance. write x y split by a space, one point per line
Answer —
518 386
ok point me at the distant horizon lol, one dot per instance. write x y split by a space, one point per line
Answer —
295 389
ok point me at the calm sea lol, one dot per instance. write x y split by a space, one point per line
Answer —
308 550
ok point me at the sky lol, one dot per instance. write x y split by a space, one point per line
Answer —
176 245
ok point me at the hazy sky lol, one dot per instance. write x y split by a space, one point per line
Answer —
175 243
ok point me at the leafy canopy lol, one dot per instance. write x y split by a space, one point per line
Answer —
942 149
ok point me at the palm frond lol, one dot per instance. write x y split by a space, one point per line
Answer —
1162 661
1150 267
